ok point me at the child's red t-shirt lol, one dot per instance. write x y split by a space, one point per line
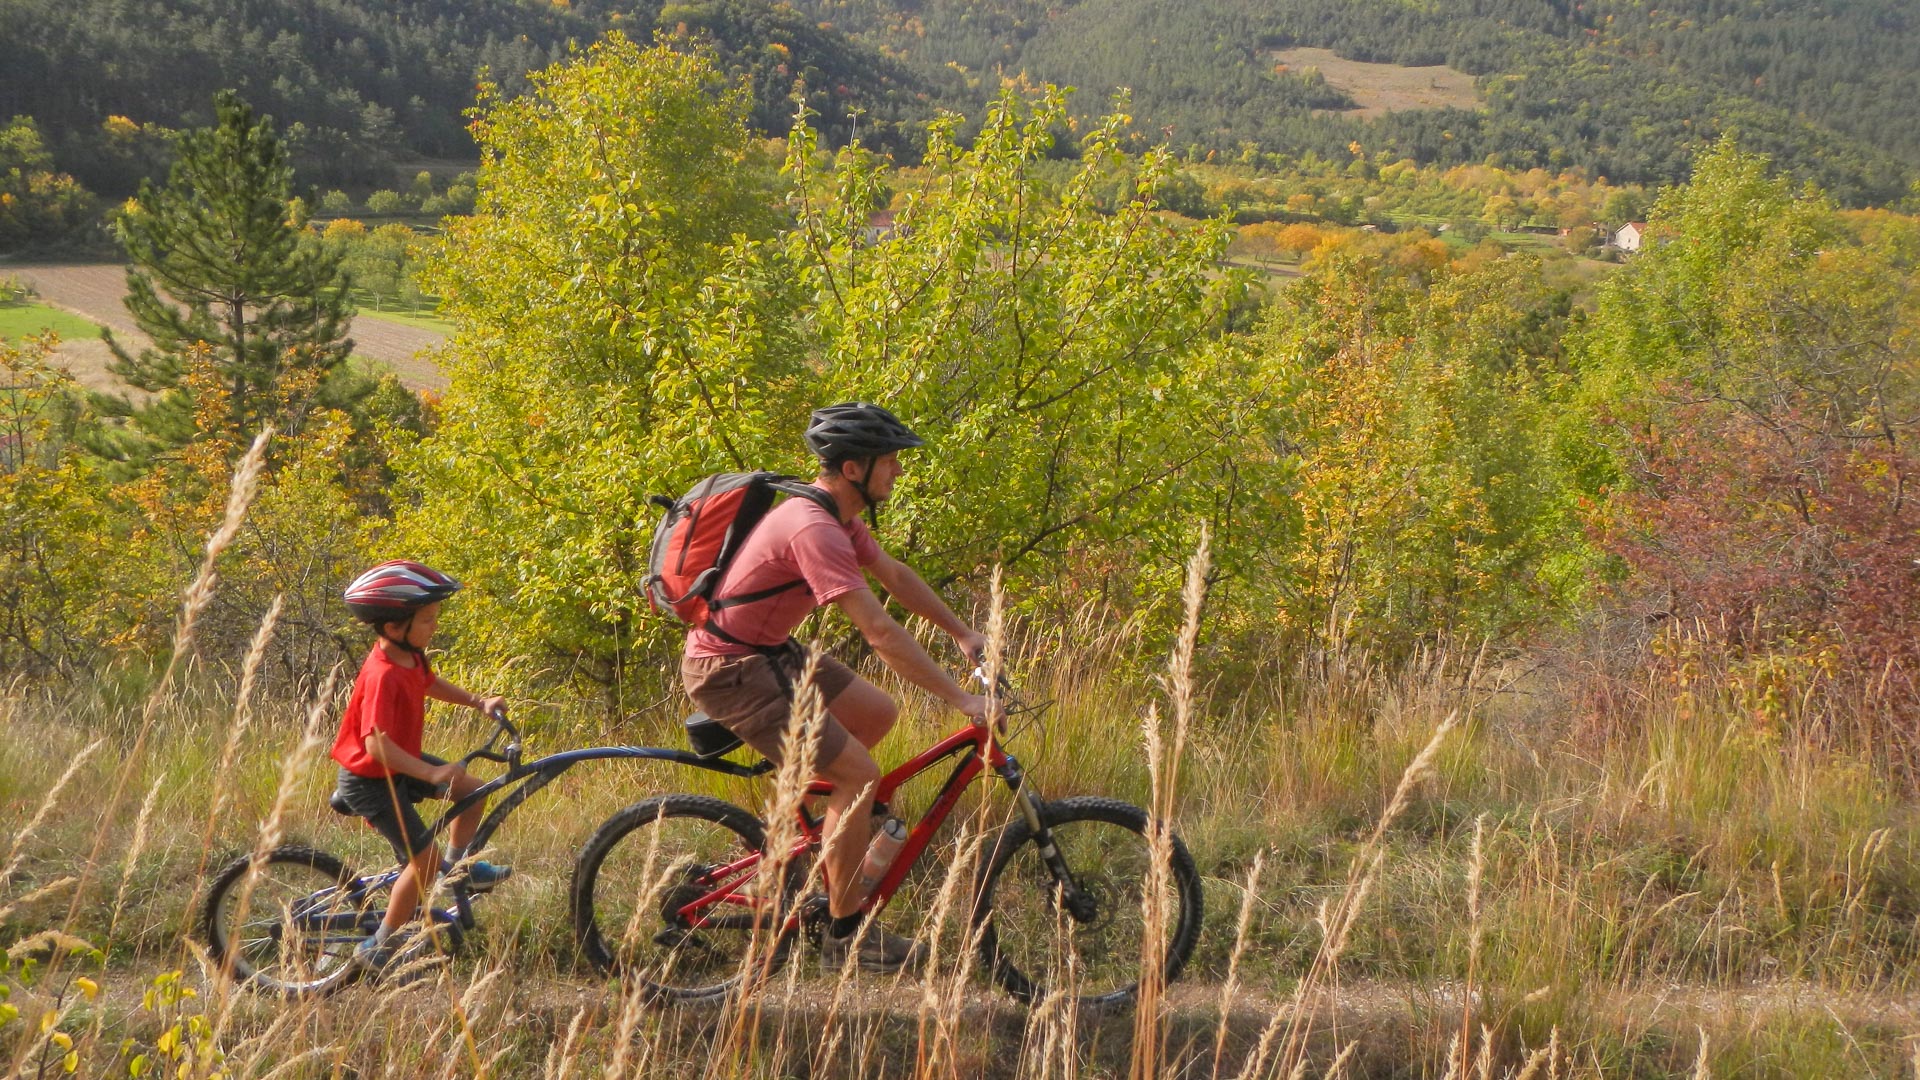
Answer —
386 698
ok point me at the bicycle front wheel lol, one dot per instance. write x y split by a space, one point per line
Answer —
288 922
674 892
1093 938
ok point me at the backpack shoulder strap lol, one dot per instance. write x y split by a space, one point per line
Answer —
786 485
789 485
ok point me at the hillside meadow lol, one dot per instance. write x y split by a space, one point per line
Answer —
1526 658
1655 888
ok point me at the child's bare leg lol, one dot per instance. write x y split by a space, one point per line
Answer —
464 826
415 878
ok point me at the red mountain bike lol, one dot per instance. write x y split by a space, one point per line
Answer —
672 890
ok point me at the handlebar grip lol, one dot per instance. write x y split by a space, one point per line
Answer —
1000 681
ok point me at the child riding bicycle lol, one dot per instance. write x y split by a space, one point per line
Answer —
383 771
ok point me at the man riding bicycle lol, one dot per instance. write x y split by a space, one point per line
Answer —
741 667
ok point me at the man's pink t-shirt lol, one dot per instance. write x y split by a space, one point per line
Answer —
798 541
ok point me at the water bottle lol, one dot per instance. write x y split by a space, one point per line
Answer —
887 840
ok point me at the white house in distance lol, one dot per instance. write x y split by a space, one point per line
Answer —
880 226
1628 237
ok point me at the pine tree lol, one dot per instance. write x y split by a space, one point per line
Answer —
221 277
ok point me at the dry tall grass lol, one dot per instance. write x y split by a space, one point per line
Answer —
1416 870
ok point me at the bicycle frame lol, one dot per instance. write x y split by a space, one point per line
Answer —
525 779
982 751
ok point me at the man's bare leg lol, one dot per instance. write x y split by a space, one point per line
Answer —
848 825
865 711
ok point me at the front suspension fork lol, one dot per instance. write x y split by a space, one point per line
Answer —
1075 900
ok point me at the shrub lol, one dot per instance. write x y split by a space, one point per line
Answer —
386 202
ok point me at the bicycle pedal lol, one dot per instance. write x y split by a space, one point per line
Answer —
813 918
674 937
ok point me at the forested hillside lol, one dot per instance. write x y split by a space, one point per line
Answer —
1616 89
369 81
1620 89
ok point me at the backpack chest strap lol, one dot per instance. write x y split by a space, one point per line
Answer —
755 596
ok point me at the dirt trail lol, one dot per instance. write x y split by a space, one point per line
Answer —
95 290
1391 1024
1358 1006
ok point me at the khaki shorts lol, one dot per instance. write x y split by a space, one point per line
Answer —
749 699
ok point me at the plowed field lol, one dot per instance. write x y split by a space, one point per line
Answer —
94 291
1378 89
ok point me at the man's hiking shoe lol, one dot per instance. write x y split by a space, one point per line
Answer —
876 950
481 875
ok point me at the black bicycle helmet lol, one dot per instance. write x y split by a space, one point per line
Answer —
856 429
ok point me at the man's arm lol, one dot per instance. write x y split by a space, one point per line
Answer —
903 654
918 597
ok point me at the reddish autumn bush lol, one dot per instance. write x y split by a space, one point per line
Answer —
1788 549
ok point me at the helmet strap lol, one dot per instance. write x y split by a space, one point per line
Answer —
860 485
406 637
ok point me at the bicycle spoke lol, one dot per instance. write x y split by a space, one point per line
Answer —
288 924
672 892
1093 938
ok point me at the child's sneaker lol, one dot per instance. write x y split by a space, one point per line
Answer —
481 874
375 956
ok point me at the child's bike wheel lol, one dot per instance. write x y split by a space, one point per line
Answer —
641 871
1089 946
288 923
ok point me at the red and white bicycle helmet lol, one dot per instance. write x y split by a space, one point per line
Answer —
395 589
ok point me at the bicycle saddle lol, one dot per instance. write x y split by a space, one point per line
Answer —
708 737
337 802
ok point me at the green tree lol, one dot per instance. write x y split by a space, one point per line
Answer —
623 328
1749 385
37 204
1063 361
381 263
1624 205
632 316
57 535
219 270
1757 317
386 202
1419 500
1502 210
1751 293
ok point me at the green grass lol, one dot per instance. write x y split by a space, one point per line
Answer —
1669 868
409 318
1526 241
27 319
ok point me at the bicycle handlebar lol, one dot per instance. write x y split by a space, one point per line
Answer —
1002 685
508 755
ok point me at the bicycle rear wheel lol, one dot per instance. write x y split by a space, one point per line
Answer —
290 928
672 892
1093 942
